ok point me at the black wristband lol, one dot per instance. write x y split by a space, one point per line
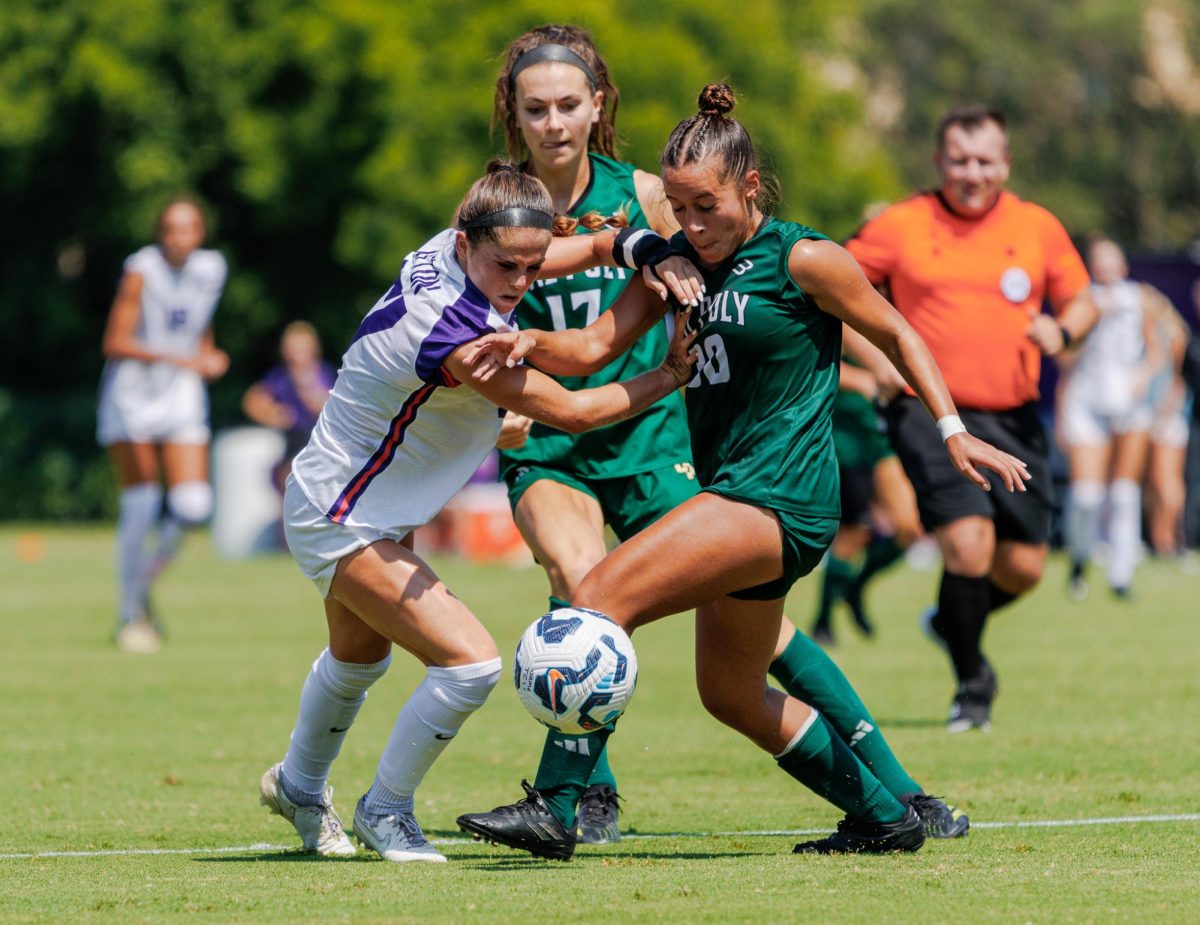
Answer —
1066 337
635 248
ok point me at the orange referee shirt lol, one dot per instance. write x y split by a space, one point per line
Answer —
971 287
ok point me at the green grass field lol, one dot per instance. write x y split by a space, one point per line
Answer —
109 752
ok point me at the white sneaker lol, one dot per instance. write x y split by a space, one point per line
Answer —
396 838
138 636
926 624
319 826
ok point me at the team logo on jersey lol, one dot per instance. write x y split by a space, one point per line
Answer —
1016 285
742 266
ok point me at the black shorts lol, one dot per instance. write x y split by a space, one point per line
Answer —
858 490
944 495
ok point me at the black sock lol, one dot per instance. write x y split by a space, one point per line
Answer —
962 611
998 597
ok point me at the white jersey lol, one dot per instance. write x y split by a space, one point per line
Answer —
162 402
398 436
1105 375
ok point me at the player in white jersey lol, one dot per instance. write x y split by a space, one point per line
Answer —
153 411
1104 415
405 426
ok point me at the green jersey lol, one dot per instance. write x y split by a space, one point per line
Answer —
857 433
658 436
760 407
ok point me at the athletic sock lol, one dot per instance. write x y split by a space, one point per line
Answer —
332 695
1084 502
821 761
189 505
839 575
882 552
566 769
557 603
811 676
139 510
1124 531
998 598
430 718
963 604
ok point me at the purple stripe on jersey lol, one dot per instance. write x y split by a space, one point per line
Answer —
382 457
382 318
463 320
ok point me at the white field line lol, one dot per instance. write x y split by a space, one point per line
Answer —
757 833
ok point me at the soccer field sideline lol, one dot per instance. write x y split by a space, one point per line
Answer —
633 836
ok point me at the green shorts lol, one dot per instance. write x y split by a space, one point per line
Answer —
805 539
630 503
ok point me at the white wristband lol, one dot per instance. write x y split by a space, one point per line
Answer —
950 425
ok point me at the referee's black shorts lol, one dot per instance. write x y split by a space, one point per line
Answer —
944 495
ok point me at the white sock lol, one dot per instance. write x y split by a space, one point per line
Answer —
189 505
429 720
1124 531
332 695
1084 503
139 508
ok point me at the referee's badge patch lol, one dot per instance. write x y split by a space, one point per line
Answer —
1016 285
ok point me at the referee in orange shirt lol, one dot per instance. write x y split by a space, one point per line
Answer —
969 265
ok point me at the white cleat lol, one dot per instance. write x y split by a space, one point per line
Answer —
319 826
138 636
396 838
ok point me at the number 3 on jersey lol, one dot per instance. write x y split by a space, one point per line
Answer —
714 362
587 298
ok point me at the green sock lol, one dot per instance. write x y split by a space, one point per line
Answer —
557 603
602 774
825 765
566 768
881 553
808 674
839 575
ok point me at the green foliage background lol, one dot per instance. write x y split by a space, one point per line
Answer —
330 138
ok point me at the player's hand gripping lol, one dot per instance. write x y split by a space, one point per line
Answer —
497 351
967 452
514 431
680 360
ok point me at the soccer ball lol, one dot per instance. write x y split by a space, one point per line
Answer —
575 670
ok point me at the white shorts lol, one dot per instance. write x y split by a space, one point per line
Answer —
1081 424
318 543
151 403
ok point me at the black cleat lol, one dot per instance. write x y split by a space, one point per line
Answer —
870 837
596 823
853 599
972 705
939 819
1077 583
527 825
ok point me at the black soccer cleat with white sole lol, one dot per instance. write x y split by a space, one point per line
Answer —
596 822
972 704
940 819
907 834
527 825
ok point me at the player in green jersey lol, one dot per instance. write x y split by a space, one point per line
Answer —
871 477
557 104
759 413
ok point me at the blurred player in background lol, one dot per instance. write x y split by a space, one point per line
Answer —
557 105
1103 417
968 265
153 410
1170 430
870 476
403 430
758 411
289 398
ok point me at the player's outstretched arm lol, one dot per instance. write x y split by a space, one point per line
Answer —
828 273
573 352
535 395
